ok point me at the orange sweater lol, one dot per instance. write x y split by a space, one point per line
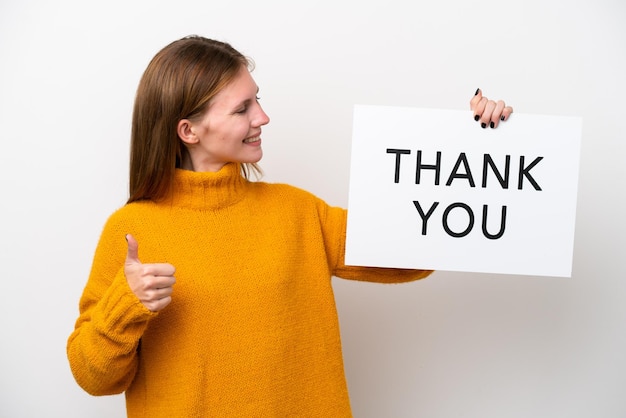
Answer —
252 328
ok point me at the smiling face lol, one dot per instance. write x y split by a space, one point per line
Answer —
229 131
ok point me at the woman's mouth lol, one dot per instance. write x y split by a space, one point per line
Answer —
252 140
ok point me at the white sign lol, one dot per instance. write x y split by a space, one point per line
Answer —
431 189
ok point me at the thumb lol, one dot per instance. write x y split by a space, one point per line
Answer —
132 257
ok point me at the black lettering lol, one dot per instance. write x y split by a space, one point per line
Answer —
420 167
504 180
524 172
467 175
398 153
424 216
502 224
469 226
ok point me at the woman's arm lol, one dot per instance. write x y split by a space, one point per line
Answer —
102 349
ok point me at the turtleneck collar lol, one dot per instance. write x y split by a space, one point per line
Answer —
208 190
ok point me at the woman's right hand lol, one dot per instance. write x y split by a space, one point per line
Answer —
151 283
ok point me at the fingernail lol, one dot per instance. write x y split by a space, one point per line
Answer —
126 237
477 90
476 117
502 117
492 125
483 125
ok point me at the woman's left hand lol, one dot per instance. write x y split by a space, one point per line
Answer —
489 112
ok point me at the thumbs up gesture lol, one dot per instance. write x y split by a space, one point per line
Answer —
151 283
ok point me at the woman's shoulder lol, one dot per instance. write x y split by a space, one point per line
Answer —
129 212
288 197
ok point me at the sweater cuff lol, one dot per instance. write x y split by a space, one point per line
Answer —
120 312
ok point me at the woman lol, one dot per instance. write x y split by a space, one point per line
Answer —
251 328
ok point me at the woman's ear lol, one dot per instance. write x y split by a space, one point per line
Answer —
185 132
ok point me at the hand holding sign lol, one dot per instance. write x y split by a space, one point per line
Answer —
489 112
151 283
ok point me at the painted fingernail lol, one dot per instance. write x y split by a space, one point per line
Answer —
492 125
502 117
476 117
477 90
483 125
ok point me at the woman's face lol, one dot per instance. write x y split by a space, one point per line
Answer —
230 130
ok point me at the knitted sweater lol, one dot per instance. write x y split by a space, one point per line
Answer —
252 328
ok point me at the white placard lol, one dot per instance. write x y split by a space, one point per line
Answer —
431 189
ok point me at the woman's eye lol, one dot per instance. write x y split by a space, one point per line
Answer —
245 108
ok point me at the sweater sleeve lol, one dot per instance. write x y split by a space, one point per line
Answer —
102 349
334 221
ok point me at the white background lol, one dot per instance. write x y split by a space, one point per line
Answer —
454 345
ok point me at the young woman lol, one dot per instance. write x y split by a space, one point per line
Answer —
248 327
